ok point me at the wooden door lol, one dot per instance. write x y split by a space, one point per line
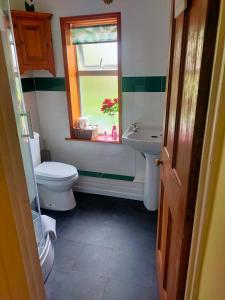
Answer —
193 35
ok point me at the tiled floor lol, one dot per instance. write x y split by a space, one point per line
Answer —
105 250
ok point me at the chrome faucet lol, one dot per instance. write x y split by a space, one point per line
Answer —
134 127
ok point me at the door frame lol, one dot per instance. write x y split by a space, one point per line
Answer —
20 270
209 172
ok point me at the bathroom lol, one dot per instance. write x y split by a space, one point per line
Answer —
143 57
98 196
111 175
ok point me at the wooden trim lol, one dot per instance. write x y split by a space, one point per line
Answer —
20 271
28 14
98 73
119 40
71 77
92 20
71 68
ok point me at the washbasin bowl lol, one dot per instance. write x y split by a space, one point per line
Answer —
147 140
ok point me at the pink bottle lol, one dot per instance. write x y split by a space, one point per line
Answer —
113 128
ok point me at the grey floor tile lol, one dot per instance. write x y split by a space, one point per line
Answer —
105 244
96 233
108 262
139 244
93 233
119 290
95 260
132 268
72 285
66 252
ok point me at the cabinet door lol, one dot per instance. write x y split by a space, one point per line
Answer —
33 42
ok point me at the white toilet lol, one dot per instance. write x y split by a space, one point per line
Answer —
54 180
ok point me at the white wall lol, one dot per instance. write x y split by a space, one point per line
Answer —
145 25
145 39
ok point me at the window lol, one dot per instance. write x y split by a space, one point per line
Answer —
91 47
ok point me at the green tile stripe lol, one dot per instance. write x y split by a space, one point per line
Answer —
105 175
129 84
144 84
56 84
28 85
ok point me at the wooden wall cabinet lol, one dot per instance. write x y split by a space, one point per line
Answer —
33 38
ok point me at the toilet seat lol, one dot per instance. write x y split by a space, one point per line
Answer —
55 171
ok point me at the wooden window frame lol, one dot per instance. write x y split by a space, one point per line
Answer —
71 68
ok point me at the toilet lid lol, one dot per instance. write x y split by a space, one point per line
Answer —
55 171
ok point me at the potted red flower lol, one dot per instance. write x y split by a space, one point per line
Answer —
111 108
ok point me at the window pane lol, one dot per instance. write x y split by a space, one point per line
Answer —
93 90
101 56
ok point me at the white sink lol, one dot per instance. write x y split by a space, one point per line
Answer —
148 141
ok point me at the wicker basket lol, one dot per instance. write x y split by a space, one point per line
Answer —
85 134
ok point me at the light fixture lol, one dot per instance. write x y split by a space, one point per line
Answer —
108 1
